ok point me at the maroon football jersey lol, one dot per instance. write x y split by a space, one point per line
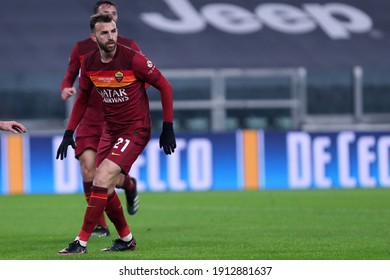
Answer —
93 120
121 86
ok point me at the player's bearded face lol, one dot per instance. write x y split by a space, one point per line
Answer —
107 47
106 36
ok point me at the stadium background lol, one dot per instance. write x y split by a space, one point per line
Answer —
314 114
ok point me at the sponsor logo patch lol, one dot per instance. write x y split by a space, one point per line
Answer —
119 76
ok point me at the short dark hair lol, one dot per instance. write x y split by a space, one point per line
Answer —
99 3
99 18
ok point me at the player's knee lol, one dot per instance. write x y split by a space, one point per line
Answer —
88 174
104 178
101 183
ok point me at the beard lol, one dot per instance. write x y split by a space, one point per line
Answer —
108 47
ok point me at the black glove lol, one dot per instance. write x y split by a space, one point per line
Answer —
66 141
167 138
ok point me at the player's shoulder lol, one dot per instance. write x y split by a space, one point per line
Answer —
90 57
122 39
125 48
128 42
125 41
87 45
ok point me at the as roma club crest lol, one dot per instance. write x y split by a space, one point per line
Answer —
119 76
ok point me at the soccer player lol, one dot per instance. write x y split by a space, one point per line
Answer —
91 127
12 126
119 74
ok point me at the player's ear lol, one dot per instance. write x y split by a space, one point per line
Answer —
93 37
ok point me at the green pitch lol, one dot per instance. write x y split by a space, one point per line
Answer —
268 225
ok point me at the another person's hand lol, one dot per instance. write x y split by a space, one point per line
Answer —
67 140
167 138
13 126
68 92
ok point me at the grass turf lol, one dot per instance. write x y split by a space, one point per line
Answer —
267 225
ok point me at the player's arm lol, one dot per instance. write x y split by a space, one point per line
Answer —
13 126
135 46
72 71
149 73
145 70
78 111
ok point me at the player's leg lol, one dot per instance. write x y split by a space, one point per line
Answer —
103 197
114 209
103 186
87 161
124 154
129 185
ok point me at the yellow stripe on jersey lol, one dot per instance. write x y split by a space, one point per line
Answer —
251 160
15 160
112 79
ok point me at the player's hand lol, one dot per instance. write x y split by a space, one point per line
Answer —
13 126
167 138
66 141
68 92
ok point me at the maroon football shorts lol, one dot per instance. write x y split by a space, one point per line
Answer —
120 149
86 142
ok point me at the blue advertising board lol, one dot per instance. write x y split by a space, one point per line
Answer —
346 159
241 160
